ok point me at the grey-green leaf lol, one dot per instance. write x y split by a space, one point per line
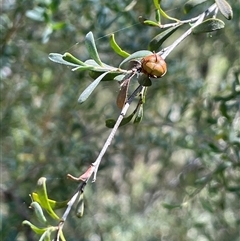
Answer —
109 77
225 9
209 25
189 5
119 78
36 14
39 212
92 49
87 92
158 40
83 68
104 67
136 55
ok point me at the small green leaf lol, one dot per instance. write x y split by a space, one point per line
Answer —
111 122
189 5
43 197
151 23
158 40
87 92
148 22
54 204
38 211
46 236
158 16
58 58
209 25
170 206
144 80
225 9
80 206
117 48
92 49
139 115
157 6
136 55
109 77
58 25
34 228
70 58
143 97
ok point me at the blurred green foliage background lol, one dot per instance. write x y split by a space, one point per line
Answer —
175 176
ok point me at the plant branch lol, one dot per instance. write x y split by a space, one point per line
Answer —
93 168
166 51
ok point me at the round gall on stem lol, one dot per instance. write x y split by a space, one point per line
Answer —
154 66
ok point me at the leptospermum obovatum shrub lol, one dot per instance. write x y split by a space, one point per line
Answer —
145 66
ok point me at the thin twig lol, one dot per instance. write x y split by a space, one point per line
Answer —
113 132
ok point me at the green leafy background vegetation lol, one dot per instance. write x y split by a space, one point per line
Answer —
175 176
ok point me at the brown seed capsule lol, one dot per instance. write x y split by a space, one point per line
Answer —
154 66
